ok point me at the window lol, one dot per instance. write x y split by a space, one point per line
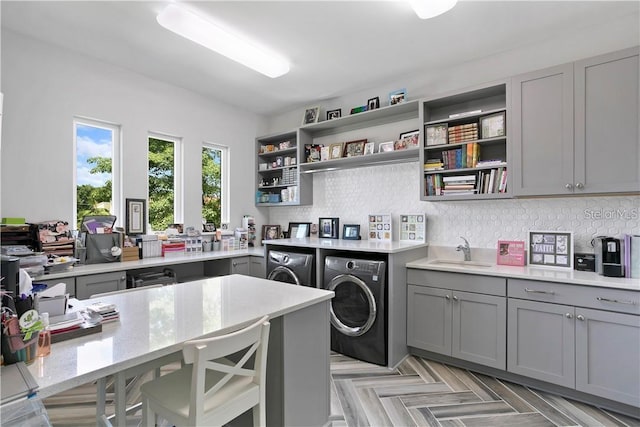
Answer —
165 189
214 183
97 166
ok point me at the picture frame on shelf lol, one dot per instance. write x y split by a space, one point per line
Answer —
136 211
328 228
271 232
511 252
354 148
360 109
351 232
369 148
411 133
312 152
334 114
550 249
325 153
380 227
397 96
385 147
373 103
413 228
209 227
335 150
310 115
436 134
493 125
299 230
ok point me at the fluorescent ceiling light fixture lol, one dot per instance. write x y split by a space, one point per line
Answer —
426 9
199 30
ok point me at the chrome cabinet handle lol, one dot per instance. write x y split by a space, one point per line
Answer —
579 185
455 298
447 297
616 301
569 316
123 278
533 291
580 317
568 186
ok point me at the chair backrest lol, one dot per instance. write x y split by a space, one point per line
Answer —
121 291
203 353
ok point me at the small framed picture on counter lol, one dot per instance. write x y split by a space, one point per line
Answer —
511 252
380 227
551 248
413 227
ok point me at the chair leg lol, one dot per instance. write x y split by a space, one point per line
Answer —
148 417
259 416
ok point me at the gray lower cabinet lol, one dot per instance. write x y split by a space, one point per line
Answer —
86 286
257 267
240 265
70 282
464 325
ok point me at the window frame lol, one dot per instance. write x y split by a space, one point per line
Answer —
224 177
178 179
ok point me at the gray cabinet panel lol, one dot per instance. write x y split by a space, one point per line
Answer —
479 329
541 340
606 110
70 282
99 283
458 281
542 131
429 319
608 355
257 267
240 265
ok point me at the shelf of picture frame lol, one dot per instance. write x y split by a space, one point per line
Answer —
379 116
388 157
275 153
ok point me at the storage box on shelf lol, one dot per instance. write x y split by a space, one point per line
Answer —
465 145
278 180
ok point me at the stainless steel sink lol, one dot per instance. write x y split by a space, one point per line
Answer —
458 263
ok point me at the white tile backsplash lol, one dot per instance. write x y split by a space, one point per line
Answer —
353 194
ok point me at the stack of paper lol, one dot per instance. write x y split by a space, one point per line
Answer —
107 311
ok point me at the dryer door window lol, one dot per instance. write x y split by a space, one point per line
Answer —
284 274
353 309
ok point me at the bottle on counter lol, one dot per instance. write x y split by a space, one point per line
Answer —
44 339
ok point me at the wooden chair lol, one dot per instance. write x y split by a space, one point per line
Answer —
211 389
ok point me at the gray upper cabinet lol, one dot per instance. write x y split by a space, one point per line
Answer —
575 127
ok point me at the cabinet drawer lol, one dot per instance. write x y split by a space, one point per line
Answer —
618 300
86 286
458 281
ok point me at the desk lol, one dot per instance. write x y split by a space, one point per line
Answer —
154 323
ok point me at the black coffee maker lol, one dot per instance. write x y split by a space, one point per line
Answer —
609 253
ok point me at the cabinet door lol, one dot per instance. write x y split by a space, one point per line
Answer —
479 329
542 132
607 152
70 283
608 355
541 341
257 266
99 283
240 265
429 319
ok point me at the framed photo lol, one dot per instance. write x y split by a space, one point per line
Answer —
325 154
209 227
312 152
551 248
334 114
351 232
311 115
354 148
360 109
493 125
511 252
380 227
136 216
436 134
298 230
413 228
270 232
373 103
397 96
328 228
404 135
385 147
335 150
369 148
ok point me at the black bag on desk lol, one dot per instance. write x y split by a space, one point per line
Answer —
99 247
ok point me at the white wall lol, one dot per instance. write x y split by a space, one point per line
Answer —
46 86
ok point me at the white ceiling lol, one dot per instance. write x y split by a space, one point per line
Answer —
334 47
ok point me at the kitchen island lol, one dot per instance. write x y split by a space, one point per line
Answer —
154 323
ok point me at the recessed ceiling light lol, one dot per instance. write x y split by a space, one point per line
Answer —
426 9
202 31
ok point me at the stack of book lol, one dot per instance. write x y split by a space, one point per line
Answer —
433 185
433 165
462 133
150 245
173 248
492 181
459 185
108 312
71 325
464 157
55 238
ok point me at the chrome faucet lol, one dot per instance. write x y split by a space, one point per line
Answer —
466 250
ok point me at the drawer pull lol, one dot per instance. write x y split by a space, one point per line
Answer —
616 301
447 297
569 316
580 317
455 298
533 291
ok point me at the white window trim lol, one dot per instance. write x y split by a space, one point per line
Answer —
178 181
116 165
224 176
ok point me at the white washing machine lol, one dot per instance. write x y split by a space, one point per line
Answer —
291 267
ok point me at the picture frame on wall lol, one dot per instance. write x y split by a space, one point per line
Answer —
328 228
550 249
136 212
310 115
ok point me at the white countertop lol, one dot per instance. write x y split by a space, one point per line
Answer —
348 245
108 267
155 322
